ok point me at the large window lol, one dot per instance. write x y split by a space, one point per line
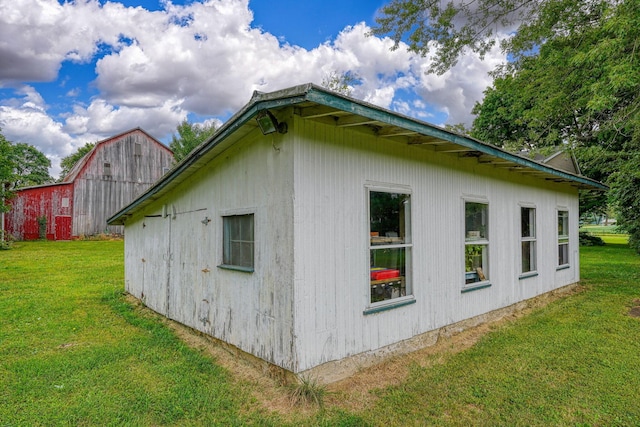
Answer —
238 242
389 244
476 242
563 238
528 239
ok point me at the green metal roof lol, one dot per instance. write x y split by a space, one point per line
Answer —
316 103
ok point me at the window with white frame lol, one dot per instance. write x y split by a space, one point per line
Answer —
238 242
528 239
389 244
476 242
563 238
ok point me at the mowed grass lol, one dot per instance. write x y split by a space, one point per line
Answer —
573 362
73 351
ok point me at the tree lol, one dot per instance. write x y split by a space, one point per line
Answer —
448 29
189 137
625 191
580 92
340 83
6 172
21 165
70 161
572 81
30 166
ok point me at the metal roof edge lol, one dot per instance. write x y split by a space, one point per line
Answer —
314 93
259 101
331 99
34 187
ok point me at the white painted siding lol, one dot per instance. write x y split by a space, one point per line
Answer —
332 167
180 277
303 305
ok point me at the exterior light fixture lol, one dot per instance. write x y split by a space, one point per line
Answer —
269 124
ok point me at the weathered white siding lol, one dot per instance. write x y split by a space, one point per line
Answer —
332 167
304 305
99 193
172 261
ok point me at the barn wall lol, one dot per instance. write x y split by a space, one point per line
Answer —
332 168
174 247
54 202
101 191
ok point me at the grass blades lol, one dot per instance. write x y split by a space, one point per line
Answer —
74 351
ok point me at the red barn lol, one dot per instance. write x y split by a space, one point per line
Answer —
111 175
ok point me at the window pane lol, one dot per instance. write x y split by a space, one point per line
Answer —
238 243
563 254
475 263
389 218
528 256
476 220
476 250
528 222
389 225
388 273
563 223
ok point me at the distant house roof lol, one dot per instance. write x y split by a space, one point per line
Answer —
317 103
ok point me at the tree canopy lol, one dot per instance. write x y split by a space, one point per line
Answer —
70 161
448 29
340 82
189 137
572 80
21 165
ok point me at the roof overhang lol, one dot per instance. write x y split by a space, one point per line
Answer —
312 102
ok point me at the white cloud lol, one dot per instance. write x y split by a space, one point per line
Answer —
457 90
154 68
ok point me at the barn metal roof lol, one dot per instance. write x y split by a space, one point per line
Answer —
313 102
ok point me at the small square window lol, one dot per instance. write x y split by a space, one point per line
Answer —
238 241
137 149
106 169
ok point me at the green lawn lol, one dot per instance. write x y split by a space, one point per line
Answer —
599 230
73 351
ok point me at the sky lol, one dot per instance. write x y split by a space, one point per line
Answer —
81 71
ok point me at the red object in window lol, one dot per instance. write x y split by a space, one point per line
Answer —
384 273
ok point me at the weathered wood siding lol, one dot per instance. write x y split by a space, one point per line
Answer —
332 167
174 247
54 202
135 163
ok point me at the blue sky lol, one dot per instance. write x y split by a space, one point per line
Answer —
78 72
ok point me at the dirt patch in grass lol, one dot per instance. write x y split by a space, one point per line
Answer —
268 387
635 310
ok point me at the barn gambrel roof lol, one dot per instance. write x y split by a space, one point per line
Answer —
313 102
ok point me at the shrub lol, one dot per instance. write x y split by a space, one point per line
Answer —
6 241
587 239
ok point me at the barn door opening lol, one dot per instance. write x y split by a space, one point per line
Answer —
62 226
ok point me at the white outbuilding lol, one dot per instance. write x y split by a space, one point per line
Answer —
320 233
